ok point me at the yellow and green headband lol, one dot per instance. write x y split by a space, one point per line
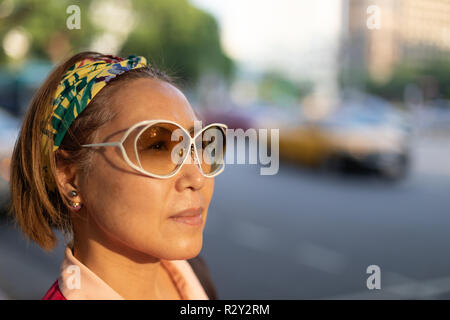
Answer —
77 88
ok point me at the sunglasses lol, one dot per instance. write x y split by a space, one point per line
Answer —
159 148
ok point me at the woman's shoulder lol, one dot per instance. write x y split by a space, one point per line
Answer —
54 293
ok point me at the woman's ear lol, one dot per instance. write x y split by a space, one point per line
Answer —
66 172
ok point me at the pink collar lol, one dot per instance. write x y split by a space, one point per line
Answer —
78 282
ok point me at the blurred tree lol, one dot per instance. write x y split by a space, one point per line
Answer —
275 87
433 77
437 71
171 33
178 36
44 24
394 88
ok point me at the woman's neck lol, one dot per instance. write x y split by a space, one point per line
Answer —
129 272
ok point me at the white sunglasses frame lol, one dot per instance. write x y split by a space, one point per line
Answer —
150 123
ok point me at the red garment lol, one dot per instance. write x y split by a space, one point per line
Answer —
54 293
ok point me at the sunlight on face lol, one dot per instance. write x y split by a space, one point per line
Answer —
133 209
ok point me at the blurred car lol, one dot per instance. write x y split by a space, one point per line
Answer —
258 116
9 130
372 136
18 86
234 118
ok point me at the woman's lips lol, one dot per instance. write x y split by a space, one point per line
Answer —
192 216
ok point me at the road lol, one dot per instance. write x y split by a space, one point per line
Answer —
303 235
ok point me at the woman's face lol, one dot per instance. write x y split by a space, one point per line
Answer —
133 209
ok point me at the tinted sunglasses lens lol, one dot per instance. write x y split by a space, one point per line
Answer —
160 148
211 146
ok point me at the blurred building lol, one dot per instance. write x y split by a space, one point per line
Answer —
379 33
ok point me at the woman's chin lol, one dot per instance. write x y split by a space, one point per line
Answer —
184 249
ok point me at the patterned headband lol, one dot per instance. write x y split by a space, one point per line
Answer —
77 88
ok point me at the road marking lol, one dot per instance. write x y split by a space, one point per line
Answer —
320 258
412 289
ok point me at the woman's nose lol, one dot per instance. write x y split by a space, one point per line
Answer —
190 175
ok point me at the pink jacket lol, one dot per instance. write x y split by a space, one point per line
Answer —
92 287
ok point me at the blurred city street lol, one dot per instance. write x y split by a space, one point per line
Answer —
358 89
303 234
299 235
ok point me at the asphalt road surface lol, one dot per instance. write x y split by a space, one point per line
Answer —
303 235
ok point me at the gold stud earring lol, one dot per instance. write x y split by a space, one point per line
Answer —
75 205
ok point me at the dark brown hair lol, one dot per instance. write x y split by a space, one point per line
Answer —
38 211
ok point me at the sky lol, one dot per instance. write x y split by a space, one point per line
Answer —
299 37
